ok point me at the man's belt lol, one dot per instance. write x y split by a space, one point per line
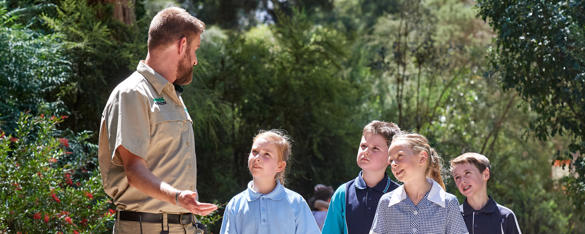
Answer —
156 218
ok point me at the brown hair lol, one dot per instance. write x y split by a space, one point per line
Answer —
282 142
480 161
384 129
419 143
171 24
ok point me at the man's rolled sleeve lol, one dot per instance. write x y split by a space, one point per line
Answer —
128 123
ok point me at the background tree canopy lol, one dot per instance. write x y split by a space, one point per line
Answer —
511 89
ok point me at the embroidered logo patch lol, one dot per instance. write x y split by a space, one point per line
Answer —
159 101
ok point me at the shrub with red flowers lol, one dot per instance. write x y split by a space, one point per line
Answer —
49 180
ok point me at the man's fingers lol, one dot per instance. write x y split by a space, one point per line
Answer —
204 208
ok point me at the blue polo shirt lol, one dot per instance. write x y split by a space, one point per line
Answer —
491 218
280 211
353 205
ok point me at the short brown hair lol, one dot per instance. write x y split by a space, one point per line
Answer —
480 161
384 129
171 24
282 142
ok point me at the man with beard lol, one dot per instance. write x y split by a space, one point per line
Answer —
146 145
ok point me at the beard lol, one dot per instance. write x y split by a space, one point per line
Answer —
184 70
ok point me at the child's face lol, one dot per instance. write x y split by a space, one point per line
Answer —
405 163
469 180
264 160
372 153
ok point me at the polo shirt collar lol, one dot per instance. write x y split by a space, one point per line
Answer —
382 186
155 79
490 207
436 195
277 194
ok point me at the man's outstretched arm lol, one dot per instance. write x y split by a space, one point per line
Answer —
140 177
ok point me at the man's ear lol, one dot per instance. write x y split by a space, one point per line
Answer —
182 46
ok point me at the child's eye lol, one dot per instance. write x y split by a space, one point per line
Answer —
363 146
254 152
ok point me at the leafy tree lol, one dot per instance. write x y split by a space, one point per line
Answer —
102 50
539 52
33 75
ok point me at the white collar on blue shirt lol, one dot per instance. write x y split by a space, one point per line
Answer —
436 195
277 194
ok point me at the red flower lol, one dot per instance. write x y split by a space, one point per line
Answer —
53 117
52 160
111 211
64 142
42 115
64 116
17 186
55 197
68 220
76 232
14 139
64 213
37 215
89 195
39 174
46 218
68 152
17 164
83 222
68 179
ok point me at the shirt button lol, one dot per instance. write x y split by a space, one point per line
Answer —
415 212
414 230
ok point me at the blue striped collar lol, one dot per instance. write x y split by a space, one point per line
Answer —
436 195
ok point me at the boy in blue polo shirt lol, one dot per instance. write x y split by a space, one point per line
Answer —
481 213
354 203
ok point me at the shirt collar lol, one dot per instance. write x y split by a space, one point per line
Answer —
489 207
277 194
382 186
436 194
155 79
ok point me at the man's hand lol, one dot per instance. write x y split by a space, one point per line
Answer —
188 200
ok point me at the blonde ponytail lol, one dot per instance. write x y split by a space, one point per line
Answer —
434 169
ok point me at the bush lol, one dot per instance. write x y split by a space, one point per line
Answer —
49 182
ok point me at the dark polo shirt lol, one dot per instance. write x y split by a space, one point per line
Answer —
491 218
362 201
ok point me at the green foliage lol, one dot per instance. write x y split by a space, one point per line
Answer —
33 74
101 51
285 76
539 51
49 182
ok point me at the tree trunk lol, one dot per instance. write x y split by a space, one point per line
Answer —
123 10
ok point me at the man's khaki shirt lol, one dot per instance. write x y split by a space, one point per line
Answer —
145 114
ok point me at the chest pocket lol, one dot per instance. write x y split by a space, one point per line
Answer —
168 120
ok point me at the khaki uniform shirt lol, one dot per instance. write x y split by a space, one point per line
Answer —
146 115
